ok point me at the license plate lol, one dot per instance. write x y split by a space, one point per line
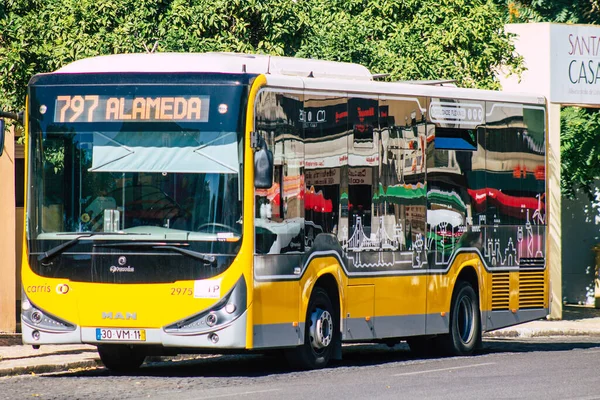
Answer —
118 335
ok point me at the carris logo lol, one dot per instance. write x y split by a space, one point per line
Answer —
118 315
62 288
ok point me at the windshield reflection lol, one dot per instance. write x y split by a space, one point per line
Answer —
75 195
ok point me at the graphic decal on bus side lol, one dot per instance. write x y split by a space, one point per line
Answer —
398 190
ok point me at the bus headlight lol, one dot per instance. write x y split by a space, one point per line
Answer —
41 320
227 310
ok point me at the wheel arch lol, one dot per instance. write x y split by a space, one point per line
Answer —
469 274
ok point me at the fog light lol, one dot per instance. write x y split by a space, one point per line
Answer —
25 305
214 338
35 335
211 319
230 308
36 317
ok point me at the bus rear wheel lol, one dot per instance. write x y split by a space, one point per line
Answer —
320 331
465 323
121 357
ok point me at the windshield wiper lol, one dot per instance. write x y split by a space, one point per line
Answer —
63 246
167 246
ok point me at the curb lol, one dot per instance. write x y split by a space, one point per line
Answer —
533 333
47 368
10 339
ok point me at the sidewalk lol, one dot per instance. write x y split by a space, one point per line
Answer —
18 359
577 321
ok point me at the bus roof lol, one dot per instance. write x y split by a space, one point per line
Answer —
285 72
217 62
392 90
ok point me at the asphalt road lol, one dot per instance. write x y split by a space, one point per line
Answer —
540 368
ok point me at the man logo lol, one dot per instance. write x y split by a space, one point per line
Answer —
122 261
118 315
62 288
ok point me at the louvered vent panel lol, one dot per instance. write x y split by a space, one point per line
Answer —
531 289
500 291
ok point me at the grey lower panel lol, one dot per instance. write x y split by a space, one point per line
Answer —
355 329
358 329
400 326
438 324
393 326
502 319
278 335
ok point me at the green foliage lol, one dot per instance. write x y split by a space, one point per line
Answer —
447 39
580 150
410 39
563 11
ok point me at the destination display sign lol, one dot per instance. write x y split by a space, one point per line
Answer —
456 113
96 108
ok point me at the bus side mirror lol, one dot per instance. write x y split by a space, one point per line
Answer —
263 165
2 127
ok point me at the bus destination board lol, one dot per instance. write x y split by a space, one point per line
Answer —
95 108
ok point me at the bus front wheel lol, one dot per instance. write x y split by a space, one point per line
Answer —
319 334
120 357
465 323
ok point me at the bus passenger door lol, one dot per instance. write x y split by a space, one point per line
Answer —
387 210
279 224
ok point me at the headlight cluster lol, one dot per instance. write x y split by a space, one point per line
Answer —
229 308
42 320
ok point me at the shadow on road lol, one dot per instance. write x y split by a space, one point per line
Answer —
355 356
575 312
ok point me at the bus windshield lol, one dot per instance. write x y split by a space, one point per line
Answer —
159 161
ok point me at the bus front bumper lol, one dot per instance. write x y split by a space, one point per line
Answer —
230 336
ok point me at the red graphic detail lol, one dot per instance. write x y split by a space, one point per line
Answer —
362 114
508 205
340 115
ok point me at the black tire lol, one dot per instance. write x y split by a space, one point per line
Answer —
465 322
320 334
121 357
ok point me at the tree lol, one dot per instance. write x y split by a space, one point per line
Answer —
563 11
580 150
409 39
447 39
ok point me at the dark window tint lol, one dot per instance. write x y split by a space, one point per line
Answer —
456 139
19 182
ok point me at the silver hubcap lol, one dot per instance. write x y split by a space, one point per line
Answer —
321 329
465 319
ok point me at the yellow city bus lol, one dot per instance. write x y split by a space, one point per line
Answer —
189 203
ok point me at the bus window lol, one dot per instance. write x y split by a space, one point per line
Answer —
401 191
279 214
325 193
515 174
454 173
363 164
